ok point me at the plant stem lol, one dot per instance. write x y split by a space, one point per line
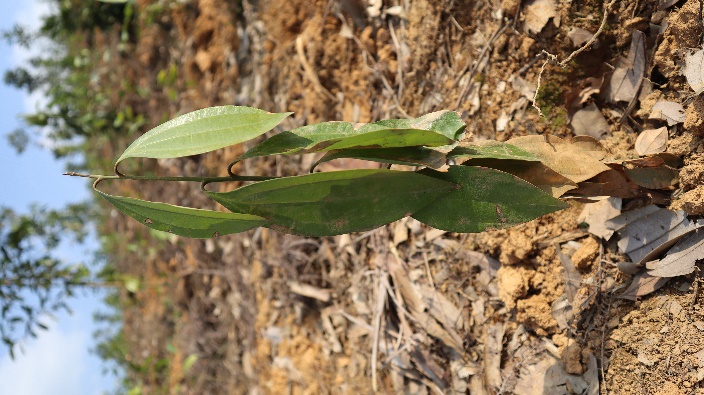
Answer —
206 180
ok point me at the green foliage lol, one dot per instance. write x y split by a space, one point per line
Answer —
34 284
202 131
334 203
184 221
462 199
486 199
432 130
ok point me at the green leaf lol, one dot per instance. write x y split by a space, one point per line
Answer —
431 130
410 156
326 204
203 131
487 199
491 149
447 123
183 221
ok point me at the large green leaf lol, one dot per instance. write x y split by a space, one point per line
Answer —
431 130
410 156
487 199
203 131
325 204
183 221
491 149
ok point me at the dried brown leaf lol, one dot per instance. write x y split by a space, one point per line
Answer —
569 159
643 237
589 121
440 307
682 257
535 173
642 285
577 96
652 141
619 222
612 182
628 76
669 111
694 70
538 13
596 215
579 36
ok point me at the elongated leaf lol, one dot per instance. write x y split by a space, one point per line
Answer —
203 131
410 156
487 199
431 130
324 204
447 123
491 149
183 221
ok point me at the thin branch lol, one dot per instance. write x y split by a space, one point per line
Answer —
207 180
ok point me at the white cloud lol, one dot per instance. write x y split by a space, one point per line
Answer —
53 364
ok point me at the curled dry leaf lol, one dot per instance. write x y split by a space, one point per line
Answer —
669 111
577 96
628 76
651 234
682 257
612 183
652 141
694 70
589 121
575 160
642 285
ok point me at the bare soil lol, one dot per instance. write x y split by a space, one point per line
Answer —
273 313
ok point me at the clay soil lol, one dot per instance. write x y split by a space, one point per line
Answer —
267 312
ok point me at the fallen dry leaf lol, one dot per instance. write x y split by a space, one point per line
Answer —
652 141
653 232
538 13
628 76
579 36
596 215
682 257
535 173
577 96
669 111
642 285
569 159
613 182
651 173
589 121
619 222
694 70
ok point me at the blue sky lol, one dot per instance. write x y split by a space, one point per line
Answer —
59 361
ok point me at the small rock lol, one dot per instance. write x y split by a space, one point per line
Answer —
584 257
